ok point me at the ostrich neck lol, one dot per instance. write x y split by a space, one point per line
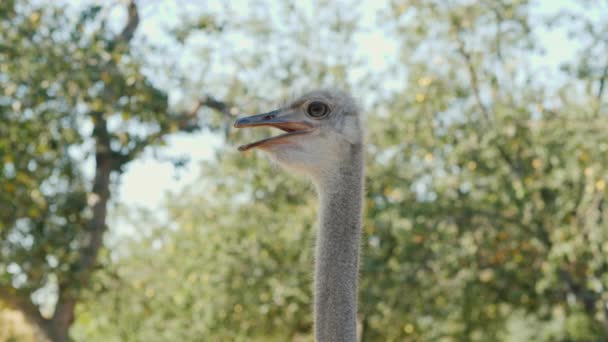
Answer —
337 251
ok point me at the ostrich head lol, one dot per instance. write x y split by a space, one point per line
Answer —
321 127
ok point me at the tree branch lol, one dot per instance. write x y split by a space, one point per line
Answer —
498 34
186 122
600 91
213 103
587 297
105 164
69 289
132 22
471 70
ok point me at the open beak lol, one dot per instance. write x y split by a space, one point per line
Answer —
273 119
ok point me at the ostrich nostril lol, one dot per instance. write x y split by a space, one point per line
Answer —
268 117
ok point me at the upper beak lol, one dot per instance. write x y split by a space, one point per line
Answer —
273 119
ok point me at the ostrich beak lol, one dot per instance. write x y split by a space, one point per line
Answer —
285 122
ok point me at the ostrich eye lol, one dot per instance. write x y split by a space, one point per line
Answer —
317 109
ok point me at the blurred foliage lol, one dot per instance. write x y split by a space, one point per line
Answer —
237 279
486 184
73 94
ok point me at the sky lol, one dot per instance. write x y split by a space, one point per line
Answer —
146 180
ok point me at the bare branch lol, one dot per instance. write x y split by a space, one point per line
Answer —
223 108
132 22
470 67
473 76
186 122
498 34
213 103
600 91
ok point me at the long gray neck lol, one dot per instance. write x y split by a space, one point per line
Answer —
337 251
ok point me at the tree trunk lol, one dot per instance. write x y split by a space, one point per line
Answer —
58 328
56 332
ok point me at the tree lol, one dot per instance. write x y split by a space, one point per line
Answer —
486 215
502 222
73 93
193 279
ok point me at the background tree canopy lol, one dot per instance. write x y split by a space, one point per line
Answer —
487 166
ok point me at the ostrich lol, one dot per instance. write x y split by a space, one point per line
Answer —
324 141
